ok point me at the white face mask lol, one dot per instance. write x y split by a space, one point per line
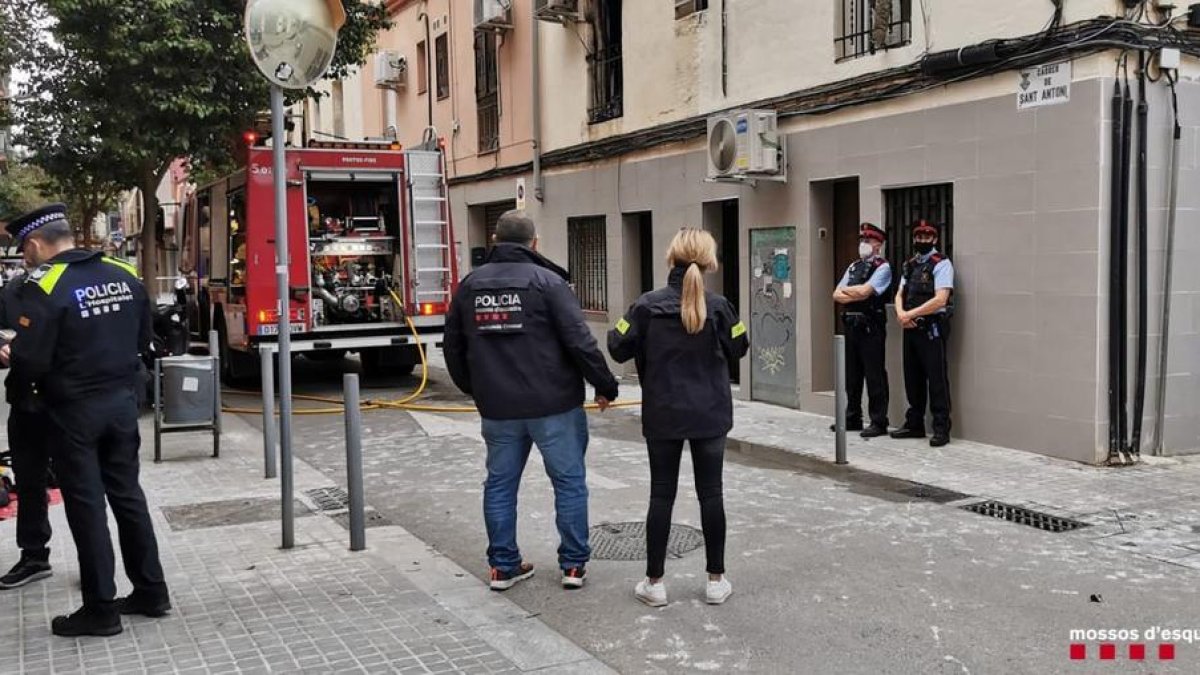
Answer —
865 250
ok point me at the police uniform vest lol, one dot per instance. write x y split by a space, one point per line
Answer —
919 286
873 307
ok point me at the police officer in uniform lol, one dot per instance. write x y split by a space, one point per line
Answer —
923 308
516 340
29 443
84 318
862 295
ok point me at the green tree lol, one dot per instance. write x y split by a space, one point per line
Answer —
156 80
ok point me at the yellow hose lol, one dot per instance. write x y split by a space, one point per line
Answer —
405 403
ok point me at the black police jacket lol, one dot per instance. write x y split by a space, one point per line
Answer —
20 391
84 320
516 339
685 378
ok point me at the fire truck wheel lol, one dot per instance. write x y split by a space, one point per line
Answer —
237 367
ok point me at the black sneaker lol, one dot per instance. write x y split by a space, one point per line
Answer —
30 568
874 432
502 581
939 440
87 621
905 432
144 605
574 577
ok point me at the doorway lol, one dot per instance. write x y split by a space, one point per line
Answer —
638 252
835 219
722 221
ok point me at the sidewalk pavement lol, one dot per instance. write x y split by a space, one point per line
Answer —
243 605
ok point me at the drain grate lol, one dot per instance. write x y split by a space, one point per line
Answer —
1024 516
329 498
627 541
227 512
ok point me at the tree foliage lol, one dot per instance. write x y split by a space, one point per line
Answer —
122 88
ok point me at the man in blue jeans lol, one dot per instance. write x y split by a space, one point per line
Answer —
516 341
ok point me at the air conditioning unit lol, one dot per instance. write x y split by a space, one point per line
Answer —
493 14
391 70
558 11
744 143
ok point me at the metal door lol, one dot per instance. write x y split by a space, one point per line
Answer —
773 316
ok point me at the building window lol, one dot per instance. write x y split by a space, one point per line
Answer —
441 50
686 8
604 64
902 207
588 262
487 91
868 26
422 68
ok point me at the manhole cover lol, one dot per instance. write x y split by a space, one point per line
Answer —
329 498
627 541
1024 516
228 512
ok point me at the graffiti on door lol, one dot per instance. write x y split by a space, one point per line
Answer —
773 315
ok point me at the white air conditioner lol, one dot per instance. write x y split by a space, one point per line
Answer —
558 11
493 14
391 70
744 143
684 8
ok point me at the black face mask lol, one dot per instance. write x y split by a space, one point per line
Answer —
923 247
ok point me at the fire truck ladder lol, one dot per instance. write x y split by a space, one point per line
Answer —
429 207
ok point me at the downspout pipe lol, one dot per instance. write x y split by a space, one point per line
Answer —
1160 397
1114 216
1143 255
1123 261
539 188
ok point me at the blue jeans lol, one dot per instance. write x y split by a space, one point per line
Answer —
562 440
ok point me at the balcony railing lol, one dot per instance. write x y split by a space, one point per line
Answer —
608 84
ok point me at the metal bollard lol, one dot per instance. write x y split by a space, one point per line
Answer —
839 384
268 412
354 464
215 353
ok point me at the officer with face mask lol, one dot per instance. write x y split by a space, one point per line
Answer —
923 308
862 296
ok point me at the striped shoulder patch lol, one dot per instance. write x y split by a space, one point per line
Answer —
122 264
47 276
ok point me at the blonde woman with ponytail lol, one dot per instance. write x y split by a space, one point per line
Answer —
683 340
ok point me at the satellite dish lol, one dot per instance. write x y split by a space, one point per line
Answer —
722 146
293 41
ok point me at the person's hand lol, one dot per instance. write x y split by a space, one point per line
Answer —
602 403
902 317
6 354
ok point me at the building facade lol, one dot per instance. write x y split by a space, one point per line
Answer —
612 101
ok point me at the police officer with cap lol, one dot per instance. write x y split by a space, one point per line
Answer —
923 308
83 321
30 447
862 295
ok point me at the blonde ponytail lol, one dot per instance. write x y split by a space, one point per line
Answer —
698 251
694 309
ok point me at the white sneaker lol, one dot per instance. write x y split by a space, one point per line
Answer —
718 591
654 595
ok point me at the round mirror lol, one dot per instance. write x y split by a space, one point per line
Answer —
293 41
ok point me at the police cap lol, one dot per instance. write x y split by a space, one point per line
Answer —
923 226
870 231
23 226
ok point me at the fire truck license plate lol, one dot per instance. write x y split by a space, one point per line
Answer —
273 329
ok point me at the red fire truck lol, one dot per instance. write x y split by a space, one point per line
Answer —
371 245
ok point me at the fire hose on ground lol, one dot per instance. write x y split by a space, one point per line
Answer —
406 403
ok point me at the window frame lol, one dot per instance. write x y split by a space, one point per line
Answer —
487 91
422 67
587 266
904 205
441 50
853 29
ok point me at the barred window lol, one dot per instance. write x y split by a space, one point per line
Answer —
902 207
588 262
868 26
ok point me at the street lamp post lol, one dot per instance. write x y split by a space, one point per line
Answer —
292 43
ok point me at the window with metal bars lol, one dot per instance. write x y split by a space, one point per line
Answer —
588 262
487 91
441 55
868 26
904 206
605 70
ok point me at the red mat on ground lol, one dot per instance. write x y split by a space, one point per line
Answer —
10 511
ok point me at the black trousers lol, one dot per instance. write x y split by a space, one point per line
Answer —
927 376
866 346
96 457
708 455
29 440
